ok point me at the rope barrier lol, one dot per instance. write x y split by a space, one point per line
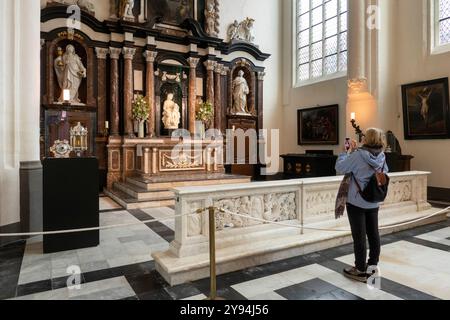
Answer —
116 226
222 210
331 230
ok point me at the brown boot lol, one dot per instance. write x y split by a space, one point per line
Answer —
355 274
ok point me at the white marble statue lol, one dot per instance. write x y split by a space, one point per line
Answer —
212 19
242 31
114 9
70 71
233 30
171 114
86 5
126 9
240 92
247 28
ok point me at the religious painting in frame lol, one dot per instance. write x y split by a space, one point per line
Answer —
171 12
318 126
426 110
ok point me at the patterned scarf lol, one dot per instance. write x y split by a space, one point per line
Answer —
341 199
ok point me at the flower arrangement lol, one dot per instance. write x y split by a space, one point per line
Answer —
205 113
140 110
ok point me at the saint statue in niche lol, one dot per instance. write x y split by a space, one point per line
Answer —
240 92
70 71
171 114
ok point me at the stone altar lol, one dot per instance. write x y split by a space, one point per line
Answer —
243 243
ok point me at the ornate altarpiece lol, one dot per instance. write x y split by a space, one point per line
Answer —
150 56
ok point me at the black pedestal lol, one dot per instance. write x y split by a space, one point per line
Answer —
70 188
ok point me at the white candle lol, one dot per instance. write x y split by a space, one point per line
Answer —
353 115
66 95
106 125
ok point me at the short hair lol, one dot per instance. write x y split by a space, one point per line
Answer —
375 138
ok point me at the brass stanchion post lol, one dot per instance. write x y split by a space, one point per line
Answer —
212 254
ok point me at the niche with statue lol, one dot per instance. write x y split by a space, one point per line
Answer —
171 100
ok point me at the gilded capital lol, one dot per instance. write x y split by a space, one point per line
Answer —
193 62
218 68
150 56
115 53
261 76
128 53
210 65
101 53
225 70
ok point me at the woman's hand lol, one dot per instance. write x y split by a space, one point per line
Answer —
353 146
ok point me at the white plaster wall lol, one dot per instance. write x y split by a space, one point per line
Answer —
323 93
416 64
268 36
19 98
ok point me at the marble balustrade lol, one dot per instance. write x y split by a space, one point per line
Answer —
242 242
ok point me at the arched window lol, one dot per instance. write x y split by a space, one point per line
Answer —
320 41
440 12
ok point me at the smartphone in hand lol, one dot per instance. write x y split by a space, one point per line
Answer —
347 144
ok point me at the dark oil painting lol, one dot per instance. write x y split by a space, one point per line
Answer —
172 12
318 126
426 110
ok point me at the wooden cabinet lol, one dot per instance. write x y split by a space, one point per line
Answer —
309 165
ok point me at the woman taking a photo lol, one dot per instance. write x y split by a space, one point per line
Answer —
361 164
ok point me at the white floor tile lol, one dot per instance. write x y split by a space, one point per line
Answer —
418 267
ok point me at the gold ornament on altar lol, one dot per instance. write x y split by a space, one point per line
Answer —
61 149
78 139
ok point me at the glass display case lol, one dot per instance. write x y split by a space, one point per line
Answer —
58 124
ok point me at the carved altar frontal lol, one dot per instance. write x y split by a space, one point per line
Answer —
171 55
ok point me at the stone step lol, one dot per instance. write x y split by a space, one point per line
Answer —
142 193
129 203
174 181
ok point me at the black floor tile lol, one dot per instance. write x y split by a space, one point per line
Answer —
151 283
155 295
10 262
182 291
58 283
315 289
35 287
430 244
389 286
159 228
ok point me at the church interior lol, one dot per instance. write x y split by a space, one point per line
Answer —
190 149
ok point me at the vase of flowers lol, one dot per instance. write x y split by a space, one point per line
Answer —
205 114
140 112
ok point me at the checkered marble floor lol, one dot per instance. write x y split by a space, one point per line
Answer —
121 267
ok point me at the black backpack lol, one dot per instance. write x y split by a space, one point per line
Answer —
377 189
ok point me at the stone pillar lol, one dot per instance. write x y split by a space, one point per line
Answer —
114 109
128 54
230 91
260 105
150 57
218 97
101 91
20 95
193 62
210 66
357 45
